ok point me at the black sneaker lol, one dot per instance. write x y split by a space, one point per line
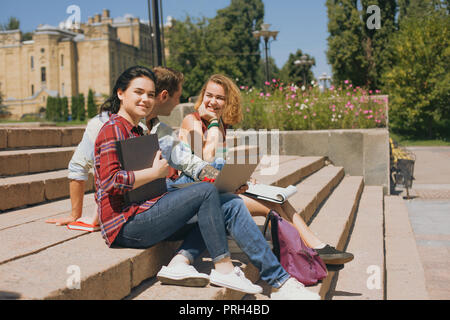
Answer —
330 255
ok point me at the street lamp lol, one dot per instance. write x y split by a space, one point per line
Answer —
324 77
266 34
304 61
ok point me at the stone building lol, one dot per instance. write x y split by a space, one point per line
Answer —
66 62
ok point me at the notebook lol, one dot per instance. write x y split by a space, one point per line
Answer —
78 225
137 154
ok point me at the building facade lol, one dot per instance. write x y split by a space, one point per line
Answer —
66 62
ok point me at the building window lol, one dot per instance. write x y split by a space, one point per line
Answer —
62 90
43 75
32 89
62 61
42 50
32 62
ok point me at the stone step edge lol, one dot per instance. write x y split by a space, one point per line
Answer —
342 235
405 276
36 189
365 274
30 161
19 138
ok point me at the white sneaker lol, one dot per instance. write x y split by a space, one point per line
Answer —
182 275
235 280
293 290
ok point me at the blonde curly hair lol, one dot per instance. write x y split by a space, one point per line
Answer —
232 112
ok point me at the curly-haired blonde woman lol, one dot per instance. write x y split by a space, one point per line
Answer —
217 108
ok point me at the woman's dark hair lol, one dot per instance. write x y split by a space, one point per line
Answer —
123 82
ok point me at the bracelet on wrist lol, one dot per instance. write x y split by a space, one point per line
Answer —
213 119
214 124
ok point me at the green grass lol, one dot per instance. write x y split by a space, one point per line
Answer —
413 142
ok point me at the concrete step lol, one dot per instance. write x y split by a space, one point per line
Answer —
19 138
293 169
405 276
38 260
21 162
36 188
45 211
334 220
314 190
363 278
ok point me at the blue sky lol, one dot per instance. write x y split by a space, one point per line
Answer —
302 24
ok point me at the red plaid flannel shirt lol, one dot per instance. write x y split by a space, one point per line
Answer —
111 181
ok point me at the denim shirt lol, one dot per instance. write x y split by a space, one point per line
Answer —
177 153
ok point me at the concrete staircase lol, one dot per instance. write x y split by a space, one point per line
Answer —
43 261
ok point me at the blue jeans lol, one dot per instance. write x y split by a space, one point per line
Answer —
170 214
241 226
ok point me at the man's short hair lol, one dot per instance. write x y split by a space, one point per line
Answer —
168 79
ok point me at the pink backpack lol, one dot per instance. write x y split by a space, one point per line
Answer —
300 261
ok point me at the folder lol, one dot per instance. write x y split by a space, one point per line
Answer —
137 154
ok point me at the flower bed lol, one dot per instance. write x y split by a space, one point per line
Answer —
289 107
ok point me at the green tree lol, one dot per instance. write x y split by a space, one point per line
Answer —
419 82
12 24
74 107
65 108
3 109
49 109
294 73
237 49
189 54
355 51
224 44
91 106
81 107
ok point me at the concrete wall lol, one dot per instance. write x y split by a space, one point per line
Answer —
361 152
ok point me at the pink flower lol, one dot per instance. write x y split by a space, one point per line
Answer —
267 94
267 83
305 117
261 94
274 80
314 114
346 81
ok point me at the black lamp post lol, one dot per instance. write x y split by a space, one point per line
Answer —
304 61
155 17
266 34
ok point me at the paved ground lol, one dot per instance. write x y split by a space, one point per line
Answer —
429 213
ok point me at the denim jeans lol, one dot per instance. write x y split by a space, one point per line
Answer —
170 214
241 226
243 229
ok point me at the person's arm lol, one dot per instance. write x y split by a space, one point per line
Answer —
179 154
191 133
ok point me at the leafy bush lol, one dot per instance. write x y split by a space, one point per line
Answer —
288 107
